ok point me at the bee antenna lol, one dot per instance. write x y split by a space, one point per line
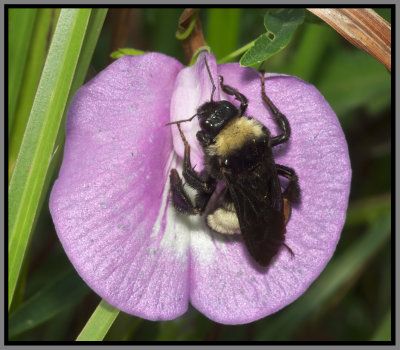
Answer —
212 81
181 121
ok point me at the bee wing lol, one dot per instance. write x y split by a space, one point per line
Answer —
258 203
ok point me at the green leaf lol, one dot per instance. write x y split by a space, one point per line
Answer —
99 323
339 271
223 30
280 27
60 294
26 184
20 24
126 52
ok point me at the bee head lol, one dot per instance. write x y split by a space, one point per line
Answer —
213 116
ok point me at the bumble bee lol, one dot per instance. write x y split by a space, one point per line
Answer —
238 152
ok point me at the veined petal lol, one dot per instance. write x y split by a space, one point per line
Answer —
111 208
226 284
110 202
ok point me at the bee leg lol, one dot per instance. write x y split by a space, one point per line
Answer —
202 183
279 117
292 191
180 198
281 242
289 249
233 92
203 139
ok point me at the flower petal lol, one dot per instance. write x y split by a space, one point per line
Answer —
192 88
110 202
226 285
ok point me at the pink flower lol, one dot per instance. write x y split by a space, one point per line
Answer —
111 205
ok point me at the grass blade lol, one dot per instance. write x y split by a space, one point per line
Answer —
27 181
20 29
124 327
94 27
99 323
34 65
92 33
47 303
384 332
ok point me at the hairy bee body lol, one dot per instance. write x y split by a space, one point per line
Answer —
238 152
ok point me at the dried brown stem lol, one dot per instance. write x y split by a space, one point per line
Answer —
364 28
196 39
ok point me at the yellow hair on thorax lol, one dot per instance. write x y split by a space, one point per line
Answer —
235 134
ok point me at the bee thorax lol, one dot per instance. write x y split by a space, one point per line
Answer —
235 135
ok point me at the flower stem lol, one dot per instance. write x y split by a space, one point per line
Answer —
195 39
236 53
